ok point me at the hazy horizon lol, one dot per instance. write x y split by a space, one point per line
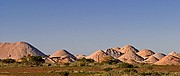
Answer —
82 27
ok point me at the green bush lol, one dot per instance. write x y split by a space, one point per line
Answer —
108 69
126 65
150 67
8 60
66 64
151 73
64 73
33 60
86 60
129 71
78 64
82 64
97 64
110 60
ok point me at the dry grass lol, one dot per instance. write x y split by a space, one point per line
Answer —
86 70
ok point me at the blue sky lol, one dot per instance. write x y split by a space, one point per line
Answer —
84 26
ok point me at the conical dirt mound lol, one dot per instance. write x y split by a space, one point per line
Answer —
80 56
168 60
63 56
98 56
174 54
18 50
128 48
159 55
113 53
130 55
151 59
145 53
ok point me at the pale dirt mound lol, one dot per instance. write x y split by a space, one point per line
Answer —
80 56
159 55
145 53
18 50
128 48
113 53
131 61
98 56
151 59
168 60
174 54
130 55
63 56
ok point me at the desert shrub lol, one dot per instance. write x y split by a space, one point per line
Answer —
49 65
36 59
66 64
110 60
97 64
129 71
33 60
64 73
150 67
86 60
8 60
174 74
108 69
126 65
51 71
152 73
78 64
82 64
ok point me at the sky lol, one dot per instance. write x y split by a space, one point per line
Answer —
84 26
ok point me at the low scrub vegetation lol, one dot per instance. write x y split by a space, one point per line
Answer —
126 65
33 65
8 60
32 60
86 60
108 69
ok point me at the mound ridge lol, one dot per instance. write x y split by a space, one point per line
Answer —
113 53
63 56
128 48
151 59
145 53
168 60
174 54
130 55
80 56
116 48
98 56
18 50
159 55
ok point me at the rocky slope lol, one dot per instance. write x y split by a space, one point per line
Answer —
18 50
